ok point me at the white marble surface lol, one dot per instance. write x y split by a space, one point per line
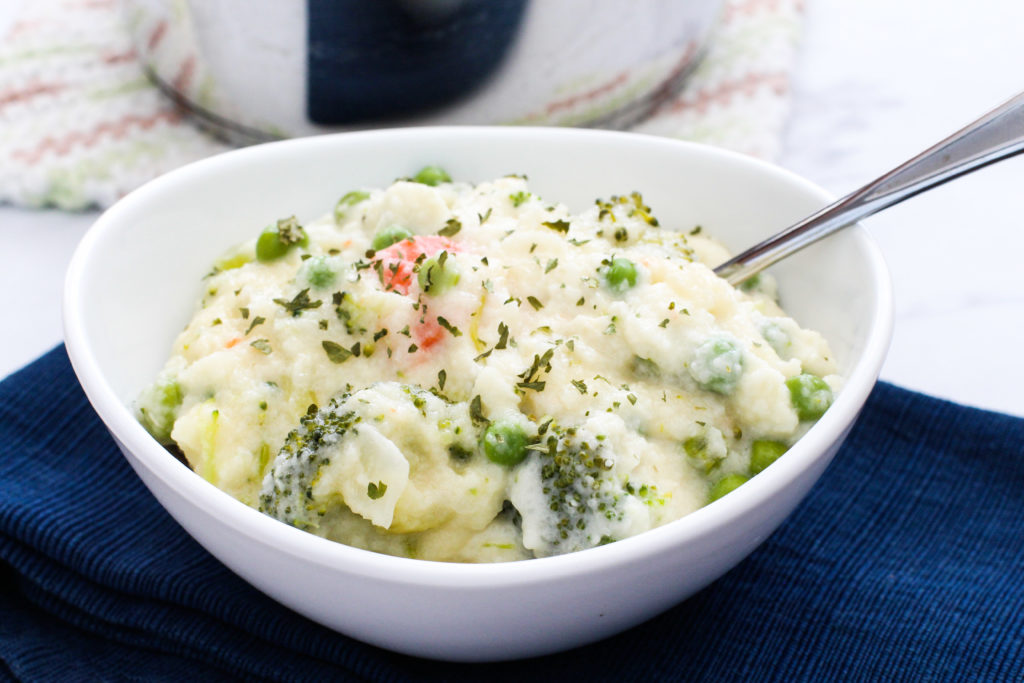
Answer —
878 80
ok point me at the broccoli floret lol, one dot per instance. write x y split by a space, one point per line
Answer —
362 450
570 496
287 492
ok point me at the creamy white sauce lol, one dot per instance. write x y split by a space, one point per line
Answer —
525 319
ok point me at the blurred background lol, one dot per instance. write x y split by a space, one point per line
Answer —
98 96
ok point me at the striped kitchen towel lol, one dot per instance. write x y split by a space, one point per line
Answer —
81 125
904 563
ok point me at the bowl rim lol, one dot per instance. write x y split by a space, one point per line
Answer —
121 422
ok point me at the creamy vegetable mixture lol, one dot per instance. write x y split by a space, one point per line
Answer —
460 372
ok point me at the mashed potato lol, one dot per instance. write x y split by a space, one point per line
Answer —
469 373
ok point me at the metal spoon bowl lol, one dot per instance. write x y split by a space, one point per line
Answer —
997 135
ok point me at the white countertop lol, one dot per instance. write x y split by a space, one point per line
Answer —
877 82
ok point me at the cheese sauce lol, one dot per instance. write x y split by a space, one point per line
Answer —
469 373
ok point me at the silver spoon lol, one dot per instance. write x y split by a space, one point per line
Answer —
997 135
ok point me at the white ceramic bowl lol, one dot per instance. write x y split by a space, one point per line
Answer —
133 282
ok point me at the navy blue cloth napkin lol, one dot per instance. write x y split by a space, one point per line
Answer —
906 562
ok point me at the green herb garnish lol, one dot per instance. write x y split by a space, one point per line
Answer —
502 336
451 228
531 376
300 303
476 412
559 225
262 345
376 491
258 320
336 352
455 332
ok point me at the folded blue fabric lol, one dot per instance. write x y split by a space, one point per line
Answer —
906 562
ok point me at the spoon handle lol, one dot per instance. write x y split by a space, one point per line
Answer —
997 135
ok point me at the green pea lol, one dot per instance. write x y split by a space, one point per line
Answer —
811 395
319 272
269 246
432 175
726 485
438 274
717 365
349 200
764 453
620 275
276 240
388 236
504 443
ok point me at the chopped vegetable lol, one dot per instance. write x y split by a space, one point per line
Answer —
619 275
159 407
706 450
320 272
438 274
526 384
726 485
504 443
763 453
810 394
397 265
388 236
582 503
347 201
277 240
717 365
432 175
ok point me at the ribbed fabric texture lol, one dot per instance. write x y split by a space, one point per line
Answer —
906 562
